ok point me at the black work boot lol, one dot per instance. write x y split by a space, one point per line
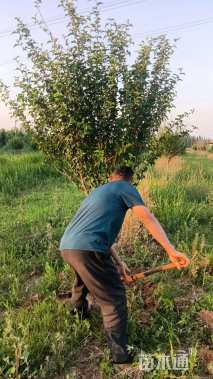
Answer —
128 360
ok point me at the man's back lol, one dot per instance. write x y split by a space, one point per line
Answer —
100 216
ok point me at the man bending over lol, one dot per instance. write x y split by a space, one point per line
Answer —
87 247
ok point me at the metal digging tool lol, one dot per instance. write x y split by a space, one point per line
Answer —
128 279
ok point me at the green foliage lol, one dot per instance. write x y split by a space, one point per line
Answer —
173 208
106 367
40 343
210 149
21 172
87 108
16 143
173 138
39 338
3 137
16 139
49 281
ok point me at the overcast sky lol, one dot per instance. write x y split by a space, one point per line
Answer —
191 21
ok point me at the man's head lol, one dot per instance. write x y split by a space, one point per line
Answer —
122 173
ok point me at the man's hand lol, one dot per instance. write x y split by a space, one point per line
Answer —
155 229
179 259
123 269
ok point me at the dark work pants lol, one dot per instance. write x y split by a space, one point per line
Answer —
96 273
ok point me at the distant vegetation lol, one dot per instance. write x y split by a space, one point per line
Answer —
16 140
202 144
174 137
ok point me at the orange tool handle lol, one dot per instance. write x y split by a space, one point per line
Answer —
141 275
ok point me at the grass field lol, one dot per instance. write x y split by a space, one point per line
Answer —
39 338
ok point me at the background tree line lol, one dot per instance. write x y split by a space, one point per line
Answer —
16 139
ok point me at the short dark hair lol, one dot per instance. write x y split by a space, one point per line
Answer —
125 171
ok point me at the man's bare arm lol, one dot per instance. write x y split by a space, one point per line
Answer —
155 229
153 226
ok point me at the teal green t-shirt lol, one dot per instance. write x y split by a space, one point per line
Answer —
98 221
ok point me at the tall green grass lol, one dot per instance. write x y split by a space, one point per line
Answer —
22 172
38 336
183 201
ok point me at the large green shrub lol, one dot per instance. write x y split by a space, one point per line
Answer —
86 107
